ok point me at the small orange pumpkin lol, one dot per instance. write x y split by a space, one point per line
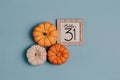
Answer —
45 34
58 54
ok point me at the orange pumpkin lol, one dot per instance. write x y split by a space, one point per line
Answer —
58 54
45 34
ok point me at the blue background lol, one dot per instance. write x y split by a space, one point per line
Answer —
97 59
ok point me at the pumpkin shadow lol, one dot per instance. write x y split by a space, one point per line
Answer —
47 61
31 31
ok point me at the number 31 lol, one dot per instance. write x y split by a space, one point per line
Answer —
69 31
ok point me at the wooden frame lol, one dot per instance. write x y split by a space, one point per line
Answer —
74 22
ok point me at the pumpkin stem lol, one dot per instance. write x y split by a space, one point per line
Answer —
45 33
37 54
58 54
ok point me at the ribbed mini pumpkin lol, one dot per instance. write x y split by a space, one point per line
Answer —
45 34
58 54
36 55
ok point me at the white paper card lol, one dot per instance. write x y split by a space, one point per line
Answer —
70 31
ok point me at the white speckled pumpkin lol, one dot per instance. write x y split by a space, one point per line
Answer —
36 55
